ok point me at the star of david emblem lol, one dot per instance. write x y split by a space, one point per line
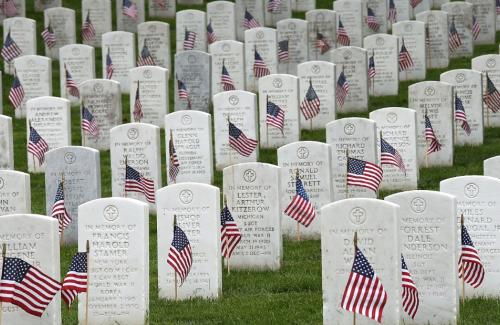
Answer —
471 190
186 196
358 216
349 129
110 213
277 83
69 157
302 153
418 205
249 175
133 133
234 100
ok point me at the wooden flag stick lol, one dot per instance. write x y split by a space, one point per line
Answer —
373 79
227 259
267 125
175 273
4 251
487 108
347 172
125 179
426 146
298 224
62 229
463 269
311 119
355 241
87 250
170 157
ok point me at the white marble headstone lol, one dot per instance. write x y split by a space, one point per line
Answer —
62 22
461 13
263 40
231 53
284 11
489 65
6 143
162 8
120 46
41 5
194 21
15 191
436 34
23 32
403 11
350 13
255 8
126 22
193 69
324 22
484 11
385 51
20 11
412 35
221 16
294 31
79 61
492 167
156 34
99 13
379 9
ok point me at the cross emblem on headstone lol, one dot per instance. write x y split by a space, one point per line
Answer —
471 190
302 153
358 216
249 175
418 204
110 213
186 196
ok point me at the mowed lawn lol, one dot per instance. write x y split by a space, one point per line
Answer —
292 295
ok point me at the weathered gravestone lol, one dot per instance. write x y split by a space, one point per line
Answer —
117 230
6 143
376 223
420 6
191 30
491 167
135 145
433 99
239 107
460 15
221 17
350 15
253 195
429 245
254 8
312 160
196 209
192 72
411 34
127 18
260 43
278 99
41 5
385 52
50 117
162 8
149 85
398 127
78 61
35 76
23 33
436 37
356 136
192 137
322 32
292 38
282 11
80 171
102 98
468 85
34 239
17 10
376 10
154 37
118 51
489 65
484 14
98 12
62 22
15 192
229 55
403 11
477 200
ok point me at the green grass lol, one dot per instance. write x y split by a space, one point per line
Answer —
293 294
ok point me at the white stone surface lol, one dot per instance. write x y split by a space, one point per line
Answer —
323 21
23 32
164 9
491 167
193 69
284 11
121 48
264 41
488 64
485 14
192 21
412 34
350 13
99 12
385 51
296 33
437 51
79 60
62 21
255 8
156 34
221 14
461 13
127 23
232 54
15 191
6 143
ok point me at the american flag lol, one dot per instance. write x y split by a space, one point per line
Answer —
283 54
410 292
460 115
371 67
275 116
392 14
372 20
454 40
189 40
470 266
26 286
301 208
260 68
415 3
180 257
88 30
434 145
342 36
37 145
135 182
75 280
49 37
109 66
273 5
342 89
239 141
363 173
405 61
230 234
183 92
10 49
9 8
321 43
491 97
173 168
498 6
427 36
59 211
476 28
129 9
145 58
310 105
226 80
71 86
16 93
138 114
161 4
211 33
390 156
89 125
249 21
362 280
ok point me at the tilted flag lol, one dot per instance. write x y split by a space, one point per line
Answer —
454 40
371 67
260 68
342 35
392 14
363 173
342 89
225 79
161 4
363 280
311 104
498 6
390 156
173 168
301 208
59 211
129 9
283 54
37 145
372 20
16 93
135 182
71 86
88 30
415 3
211 37
180 257
273 5
189 40
491 97
183 92
75 280
476 28
460 115
410 292
321 43
49 36
249 21
239 141
434 144
470 267
138 113
109 66
230 234
405 61
9 8
10 49
275 116
89 124
26 286
427 36
145 58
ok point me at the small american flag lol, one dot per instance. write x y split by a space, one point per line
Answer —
415 3
392 14
275 116
410 292
498 6
390 156
260 68
145 58
491 97
342 89
470 266
189 40
16 93
161 4
372 20
321 43
427 36
273 5
363 173
454 40
10 49
225 79
476 28
249 21
9 8
180 257
239 141
173 168
89 125
26 286
460 115
183 92
138 114
283 54
230 234
88 30
211 33
37 145
75 280
49 36
129 9
342 36
434 145
301 208
59 211
310 105
371 67
71 86
362 280
135 182
405 61
109 66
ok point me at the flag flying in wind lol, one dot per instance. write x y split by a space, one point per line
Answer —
189 40
342 89
454 40
491 97
180 256
145 58
371 67
135 182
410 292
275 116
16 93
129 9
470 266
460 115
89 124
390 156
49 36
434 144
59 211
363 173
249 21
301 208
476 28
75 280
310 105
173 168
88 30
415 3
342 35
211 37
273 5
260 68
283 54
372 20
321 43
239 141
226 80
10 49
71 86
138 113
109 66
405 61
230 234
392 14
26 286
9 8
37 145
183 92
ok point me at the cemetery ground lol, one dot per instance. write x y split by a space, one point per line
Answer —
292 295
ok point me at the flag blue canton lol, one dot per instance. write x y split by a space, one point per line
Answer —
79 263
273 109
225 217
300 189
14 269
133 174
386 147
362 266
356 166
180 240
